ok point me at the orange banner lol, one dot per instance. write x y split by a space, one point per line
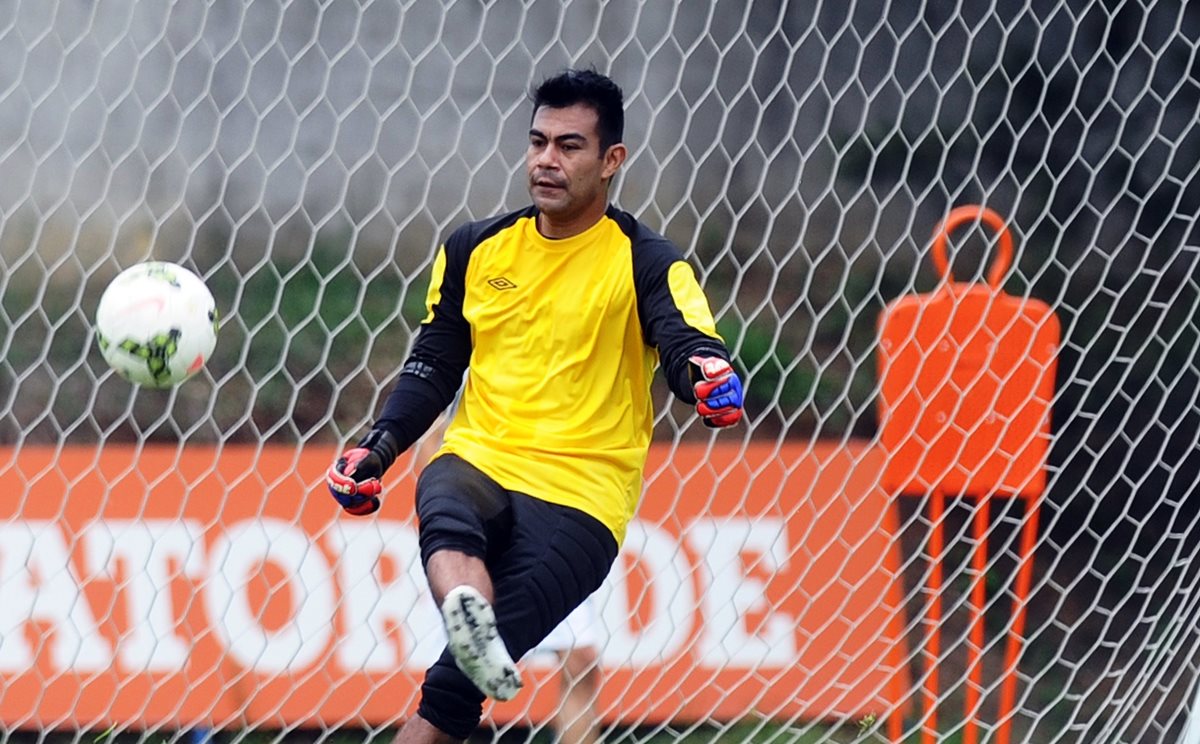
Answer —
222 587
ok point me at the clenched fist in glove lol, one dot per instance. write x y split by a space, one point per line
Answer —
353 479
718 391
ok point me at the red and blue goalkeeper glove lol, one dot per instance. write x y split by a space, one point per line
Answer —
353 479
718 391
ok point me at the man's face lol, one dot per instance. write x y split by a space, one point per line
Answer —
568 175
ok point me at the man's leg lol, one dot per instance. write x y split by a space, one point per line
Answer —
559 557
463 590
541 560
417 730
575 720
447 569
474 641
463 514
574 643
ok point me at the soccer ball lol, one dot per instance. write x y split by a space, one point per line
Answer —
156 324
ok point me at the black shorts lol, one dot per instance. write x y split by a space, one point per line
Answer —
544 560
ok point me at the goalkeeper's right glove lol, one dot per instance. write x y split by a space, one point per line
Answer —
353 479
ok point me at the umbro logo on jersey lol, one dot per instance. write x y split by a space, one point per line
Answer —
501 283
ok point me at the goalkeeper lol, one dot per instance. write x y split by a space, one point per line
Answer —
561 311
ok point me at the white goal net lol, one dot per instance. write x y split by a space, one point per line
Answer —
958 511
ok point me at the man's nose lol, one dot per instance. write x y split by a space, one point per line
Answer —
547 157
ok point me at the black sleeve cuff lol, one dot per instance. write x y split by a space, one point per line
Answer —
680 377
382 443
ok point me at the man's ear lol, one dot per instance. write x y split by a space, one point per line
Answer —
613 159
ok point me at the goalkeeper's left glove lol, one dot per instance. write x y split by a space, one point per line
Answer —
353 479
718 391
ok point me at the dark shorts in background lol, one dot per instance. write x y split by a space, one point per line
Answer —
544 560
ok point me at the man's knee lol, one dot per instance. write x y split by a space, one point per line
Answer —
449 525
457 506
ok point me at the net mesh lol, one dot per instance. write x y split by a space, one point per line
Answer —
167 564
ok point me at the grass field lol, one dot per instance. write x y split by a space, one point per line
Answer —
741 733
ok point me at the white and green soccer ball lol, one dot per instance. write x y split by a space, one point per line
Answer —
156 324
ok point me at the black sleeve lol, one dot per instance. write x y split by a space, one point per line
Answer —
433 371
664 323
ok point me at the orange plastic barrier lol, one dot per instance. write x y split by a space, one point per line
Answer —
966 380
966 384
221 587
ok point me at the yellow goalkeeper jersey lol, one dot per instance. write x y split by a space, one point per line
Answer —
564 338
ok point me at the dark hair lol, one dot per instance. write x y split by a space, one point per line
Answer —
590 88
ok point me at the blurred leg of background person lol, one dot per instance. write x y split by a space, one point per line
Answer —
573 641
575 720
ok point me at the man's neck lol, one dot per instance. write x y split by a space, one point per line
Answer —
555 230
